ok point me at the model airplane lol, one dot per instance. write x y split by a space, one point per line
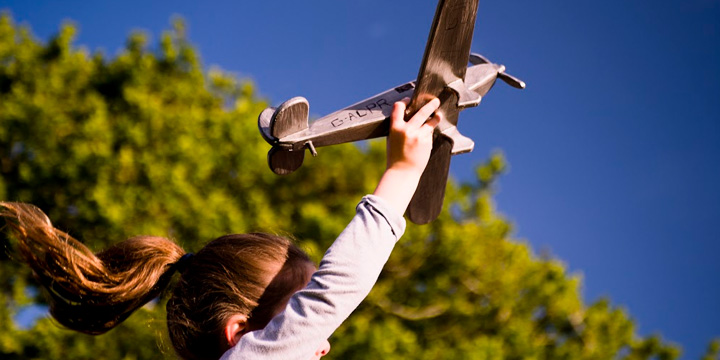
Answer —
444 73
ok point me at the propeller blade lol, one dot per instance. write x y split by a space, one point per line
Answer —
511 80
477 59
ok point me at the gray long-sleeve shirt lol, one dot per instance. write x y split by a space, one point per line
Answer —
346 274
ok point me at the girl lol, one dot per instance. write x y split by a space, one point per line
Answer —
243 296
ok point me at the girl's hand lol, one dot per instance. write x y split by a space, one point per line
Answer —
410 143
409 147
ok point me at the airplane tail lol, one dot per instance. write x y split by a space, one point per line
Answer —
275 124
287 119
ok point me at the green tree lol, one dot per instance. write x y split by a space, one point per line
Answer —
713 350
149 143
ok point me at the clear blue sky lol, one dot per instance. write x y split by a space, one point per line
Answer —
614 146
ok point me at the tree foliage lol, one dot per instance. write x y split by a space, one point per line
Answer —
147 142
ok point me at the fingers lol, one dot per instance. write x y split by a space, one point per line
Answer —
424 113
433 121
398 112
421 120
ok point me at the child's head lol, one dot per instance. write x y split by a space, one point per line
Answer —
249 277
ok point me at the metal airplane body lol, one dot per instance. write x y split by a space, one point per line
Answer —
443 74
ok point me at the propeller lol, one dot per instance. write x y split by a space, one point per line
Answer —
477 59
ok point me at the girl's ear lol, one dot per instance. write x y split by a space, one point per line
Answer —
235 328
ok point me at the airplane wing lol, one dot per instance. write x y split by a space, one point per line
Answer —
447 51
443 69
427 201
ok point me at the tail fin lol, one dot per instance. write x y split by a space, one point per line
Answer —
276 123
283 162
290 117
264 124
287 119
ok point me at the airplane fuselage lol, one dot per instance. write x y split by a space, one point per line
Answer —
369 118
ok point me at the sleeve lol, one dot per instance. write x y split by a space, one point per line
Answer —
347 273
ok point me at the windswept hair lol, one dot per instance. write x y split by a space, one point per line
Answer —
90 293
94 292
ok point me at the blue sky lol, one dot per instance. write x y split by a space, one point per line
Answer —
614 146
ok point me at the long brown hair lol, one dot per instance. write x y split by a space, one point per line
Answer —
94 292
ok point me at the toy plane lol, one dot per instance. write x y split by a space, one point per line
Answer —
444 73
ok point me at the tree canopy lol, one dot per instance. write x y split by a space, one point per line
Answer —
149 142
